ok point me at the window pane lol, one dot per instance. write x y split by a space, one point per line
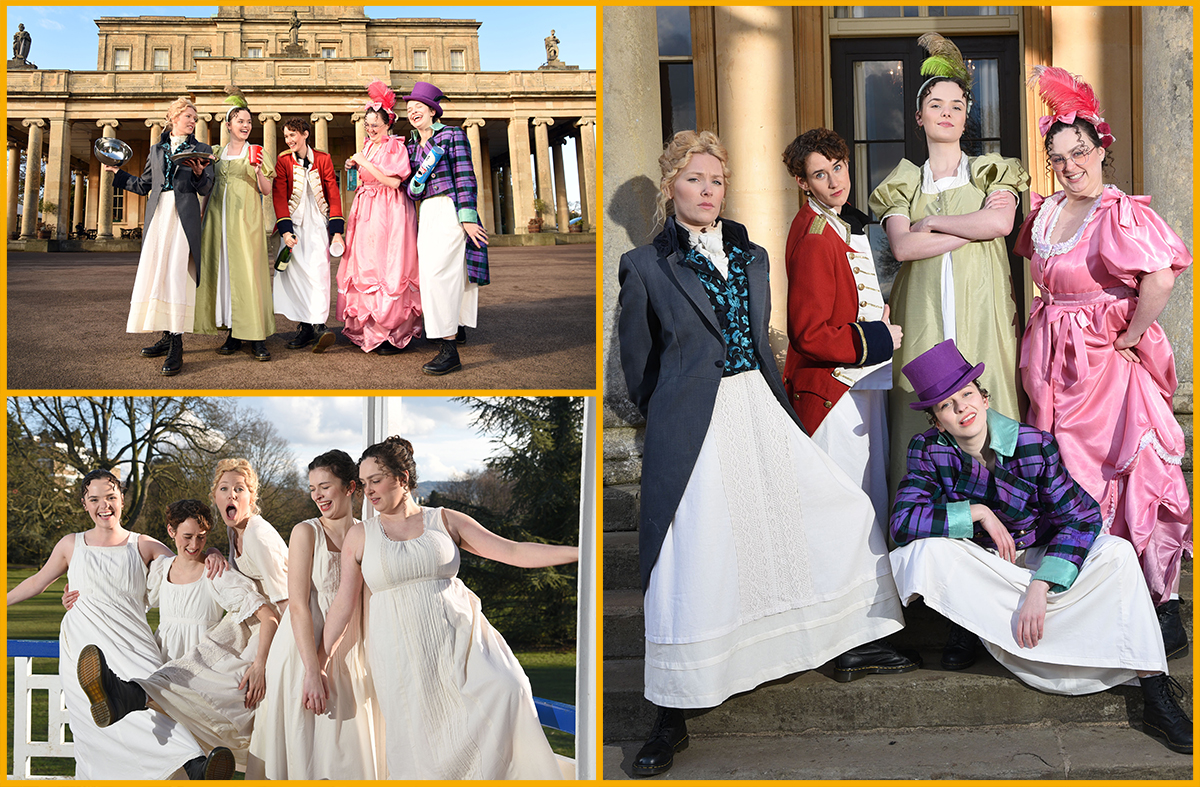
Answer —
868 11
162 59
254 51
678 88
674 31
458 61
199 53
121 59
878 99
421 59
985 87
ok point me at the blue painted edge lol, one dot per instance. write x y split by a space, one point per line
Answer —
33 648
556 715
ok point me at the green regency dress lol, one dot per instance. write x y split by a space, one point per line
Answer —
970 293
235 277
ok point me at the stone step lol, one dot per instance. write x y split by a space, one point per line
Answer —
1042 751
622 507
622 566
986 694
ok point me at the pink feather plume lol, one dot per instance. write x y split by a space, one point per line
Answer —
381 93
1064 92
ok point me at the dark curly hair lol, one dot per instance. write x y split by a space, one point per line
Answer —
182 510
818 140
298 124
339 463
928 87
1083 129
929 410
100 474
396 455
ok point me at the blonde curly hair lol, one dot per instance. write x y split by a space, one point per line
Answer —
241 466
675 157
177 108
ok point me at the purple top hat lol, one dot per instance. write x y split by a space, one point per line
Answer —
939 373
428 95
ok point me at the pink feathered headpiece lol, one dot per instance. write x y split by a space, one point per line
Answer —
382 100
1068 97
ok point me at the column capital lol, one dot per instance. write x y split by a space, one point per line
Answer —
321 116
473 122
13 145
586 121
265 116
206 117
543 121
33 122
357 116
152 122
108 123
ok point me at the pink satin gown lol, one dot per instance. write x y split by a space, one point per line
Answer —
378 294
1112 418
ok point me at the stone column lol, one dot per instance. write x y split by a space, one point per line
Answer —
751 42
93 194
14 168
80 198
521 182
156 130
270 135
33 177
587 168
508 181
560 187
202 128
485 188
502 226
541 154
1167 155
321 127
472 126
58 177
630 190
220 120
360 130
104 216
583 200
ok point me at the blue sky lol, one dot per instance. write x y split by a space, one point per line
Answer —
510 38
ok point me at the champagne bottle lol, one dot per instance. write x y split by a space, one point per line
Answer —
284 257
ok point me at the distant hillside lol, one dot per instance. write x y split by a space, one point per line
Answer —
426 488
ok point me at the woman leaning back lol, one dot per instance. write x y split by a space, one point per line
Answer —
744 580
946 221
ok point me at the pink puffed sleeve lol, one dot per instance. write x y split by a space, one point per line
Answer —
1134 240
1024 244
393 158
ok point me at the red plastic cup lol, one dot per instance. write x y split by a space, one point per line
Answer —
255 155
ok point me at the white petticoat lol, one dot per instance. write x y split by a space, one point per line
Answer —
448 298
1098 633
773 563
855 435
164 289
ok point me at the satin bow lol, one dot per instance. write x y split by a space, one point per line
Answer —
379 107
1102 128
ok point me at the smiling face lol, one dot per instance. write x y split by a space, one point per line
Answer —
240 124
827 181
376 125
184 123
943 113
386 492
964 415
420 115
233 499
103 503
698 191
332 497
296 141
1082 179
190 539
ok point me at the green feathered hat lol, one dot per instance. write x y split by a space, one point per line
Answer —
945 60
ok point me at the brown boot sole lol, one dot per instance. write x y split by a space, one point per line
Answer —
88 670
324 342
220 765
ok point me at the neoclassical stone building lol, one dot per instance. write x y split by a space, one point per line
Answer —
317 69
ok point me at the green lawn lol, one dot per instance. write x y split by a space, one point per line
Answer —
552 675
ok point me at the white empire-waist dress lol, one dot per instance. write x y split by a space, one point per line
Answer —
773 563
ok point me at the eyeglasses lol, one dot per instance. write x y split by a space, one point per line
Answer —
1080 157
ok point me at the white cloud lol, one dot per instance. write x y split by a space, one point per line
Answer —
49 24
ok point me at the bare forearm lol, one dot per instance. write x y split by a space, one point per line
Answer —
302 628
31 587
924 245
268 625
984 224
1154 290
527 554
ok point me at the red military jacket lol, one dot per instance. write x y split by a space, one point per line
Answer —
825 333
283 191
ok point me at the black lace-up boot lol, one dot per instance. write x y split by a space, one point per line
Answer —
668 736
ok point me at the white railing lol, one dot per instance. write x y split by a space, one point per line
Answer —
25 683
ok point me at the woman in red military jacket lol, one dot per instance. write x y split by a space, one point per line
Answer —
839 337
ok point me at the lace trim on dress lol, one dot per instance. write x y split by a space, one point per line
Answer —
1042 232
1150 438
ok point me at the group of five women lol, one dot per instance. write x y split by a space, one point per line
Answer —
746 471
205 268
276 662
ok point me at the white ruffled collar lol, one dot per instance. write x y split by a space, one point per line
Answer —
711 243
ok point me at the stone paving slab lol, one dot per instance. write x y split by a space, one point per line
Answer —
1044 751
67 312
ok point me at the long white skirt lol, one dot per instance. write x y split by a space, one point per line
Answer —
773 563
302 289
164 290
1098 633
448 299
855 435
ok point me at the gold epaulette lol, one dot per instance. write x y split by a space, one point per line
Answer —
817 227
